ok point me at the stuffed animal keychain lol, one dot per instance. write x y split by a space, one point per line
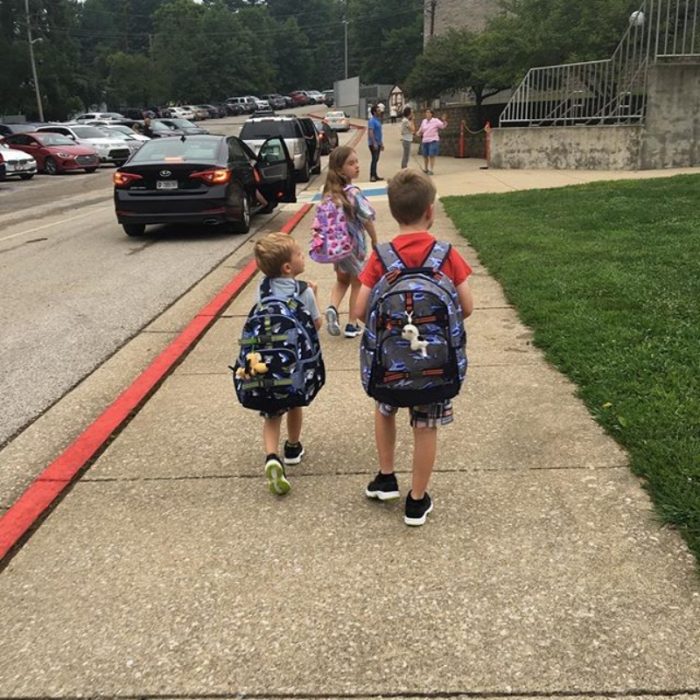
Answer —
410 332
253 365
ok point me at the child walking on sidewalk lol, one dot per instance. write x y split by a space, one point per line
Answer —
343 168
281 260
408 359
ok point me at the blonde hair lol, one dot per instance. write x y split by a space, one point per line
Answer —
410 194
273 251
336 180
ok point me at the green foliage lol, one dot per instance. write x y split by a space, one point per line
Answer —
608 277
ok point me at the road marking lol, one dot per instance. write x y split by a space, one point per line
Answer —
41 228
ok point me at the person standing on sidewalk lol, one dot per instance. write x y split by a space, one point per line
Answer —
412 203
280 259
343 168
429 130
408 129
375 141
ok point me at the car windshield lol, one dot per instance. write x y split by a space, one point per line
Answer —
121 129
266 129
181 122
88 132
55 140
177 151
335 115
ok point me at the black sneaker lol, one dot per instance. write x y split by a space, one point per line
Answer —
276 478
384 487
417 511
352 330
293 452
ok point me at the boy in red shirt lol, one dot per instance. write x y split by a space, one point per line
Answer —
412 204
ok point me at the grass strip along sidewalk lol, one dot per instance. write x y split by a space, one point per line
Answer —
608 277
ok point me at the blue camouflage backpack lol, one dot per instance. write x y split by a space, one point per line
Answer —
280 363
413 349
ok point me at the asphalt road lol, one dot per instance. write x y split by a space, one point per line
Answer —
75 288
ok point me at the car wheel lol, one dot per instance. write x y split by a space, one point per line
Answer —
304 174
50 166
134 229
90 170
243 224
26 176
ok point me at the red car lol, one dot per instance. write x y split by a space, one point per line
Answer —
55 153
299 98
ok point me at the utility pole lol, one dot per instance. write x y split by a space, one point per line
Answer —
31 58
345 22
433 4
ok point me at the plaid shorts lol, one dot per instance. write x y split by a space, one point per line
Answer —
429 416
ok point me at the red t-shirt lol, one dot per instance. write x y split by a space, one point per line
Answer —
413 248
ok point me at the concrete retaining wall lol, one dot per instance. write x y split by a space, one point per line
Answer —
669 138
672 130
575 147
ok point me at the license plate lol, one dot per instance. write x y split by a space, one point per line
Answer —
166 185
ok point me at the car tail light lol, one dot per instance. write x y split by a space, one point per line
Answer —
218 176
125 179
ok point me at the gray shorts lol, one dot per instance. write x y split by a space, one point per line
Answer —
428 416
351 265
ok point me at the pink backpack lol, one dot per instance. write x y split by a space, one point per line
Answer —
331 239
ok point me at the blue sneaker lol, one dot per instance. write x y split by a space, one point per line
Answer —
352 330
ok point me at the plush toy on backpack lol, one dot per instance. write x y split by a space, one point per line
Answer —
280 363
413 348
331 239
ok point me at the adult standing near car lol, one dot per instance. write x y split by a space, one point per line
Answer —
429 131
375 141
408 129
146 130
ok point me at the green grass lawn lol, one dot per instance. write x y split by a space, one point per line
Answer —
608 277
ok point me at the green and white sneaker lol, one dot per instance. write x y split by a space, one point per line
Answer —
276 478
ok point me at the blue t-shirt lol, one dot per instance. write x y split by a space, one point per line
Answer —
374 132
285 287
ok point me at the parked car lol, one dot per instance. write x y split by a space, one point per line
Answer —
315 97
90 116
338 121
199 112
329 97
16 162
55 153
246 103
213 111
261 105
275 100
184 126
120 130
182 112
109 149
158 129
19 127
299 135
134 141
205 179
299 98
233 109
328 139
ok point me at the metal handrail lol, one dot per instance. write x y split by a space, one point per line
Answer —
613 90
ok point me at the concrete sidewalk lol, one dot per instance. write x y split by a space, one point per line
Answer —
170 571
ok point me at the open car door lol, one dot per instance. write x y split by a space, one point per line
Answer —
276 171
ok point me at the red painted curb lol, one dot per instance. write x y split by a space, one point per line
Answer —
24 513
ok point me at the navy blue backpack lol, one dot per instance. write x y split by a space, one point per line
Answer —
413 350
280 363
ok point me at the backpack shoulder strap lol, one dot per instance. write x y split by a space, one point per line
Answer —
437 255
388 257
265 288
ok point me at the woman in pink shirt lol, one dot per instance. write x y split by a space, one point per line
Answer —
430 139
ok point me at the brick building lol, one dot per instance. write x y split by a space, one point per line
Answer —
439 15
